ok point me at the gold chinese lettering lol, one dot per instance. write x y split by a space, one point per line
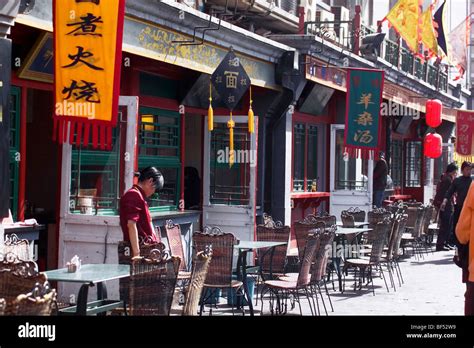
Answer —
364 119
363 137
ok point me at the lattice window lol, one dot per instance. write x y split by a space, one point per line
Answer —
14 149
396 162
413 162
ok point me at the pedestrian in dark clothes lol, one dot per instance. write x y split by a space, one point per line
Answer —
380 180
445 216
460 187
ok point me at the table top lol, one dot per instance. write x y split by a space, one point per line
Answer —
90 273
400 196
245 244
300 195
356 224
16 228
351 230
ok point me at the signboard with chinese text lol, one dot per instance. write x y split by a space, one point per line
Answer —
230 80
363 100
464 133
88 52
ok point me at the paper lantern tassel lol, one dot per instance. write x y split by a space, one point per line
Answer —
251 114
231 125
210 112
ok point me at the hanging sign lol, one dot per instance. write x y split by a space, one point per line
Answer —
88 53
464 132
364 97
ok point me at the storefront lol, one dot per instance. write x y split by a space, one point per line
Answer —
162 122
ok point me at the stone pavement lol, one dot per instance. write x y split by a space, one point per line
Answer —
432 287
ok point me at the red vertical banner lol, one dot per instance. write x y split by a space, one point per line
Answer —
464 133
87 53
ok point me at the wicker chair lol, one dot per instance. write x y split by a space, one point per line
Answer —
152 283
426 234
413 236
196 284
396 250
319 268
273 266
329 220
40 302
125 258
18 278
302 229
281 289
381 231
219 275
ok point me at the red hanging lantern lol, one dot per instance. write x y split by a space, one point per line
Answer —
434 109
433 145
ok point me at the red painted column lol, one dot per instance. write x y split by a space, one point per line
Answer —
22 179
357 23
301 15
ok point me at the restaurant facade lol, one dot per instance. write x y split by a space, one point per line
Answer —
294 164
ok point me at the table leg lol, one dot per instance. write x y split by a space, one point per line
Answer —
82 300
242 275
101 295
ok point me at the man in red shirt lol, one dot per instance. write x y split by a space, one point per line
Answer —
135 218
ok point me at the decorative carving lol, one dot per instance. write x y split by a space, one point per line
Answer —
213 230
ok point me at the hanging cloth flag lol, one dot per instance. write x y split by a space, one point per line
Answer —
363 100
405 18
438 22
457 48
231 83
464 132
88 53
428 37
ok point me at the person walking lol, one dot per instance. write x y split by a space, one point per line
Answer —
459 186
464 234
445 216
135 218
380 180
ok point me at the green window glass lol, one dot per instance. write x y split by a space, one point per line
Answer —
159 146
95 179
396 162
413 164
299 134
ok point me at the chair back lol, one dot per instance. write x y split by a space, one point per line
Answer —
311 245
17 246
198 277
418 228
302 229
125 258
376 215
173 233
394 231
329 220
381 231
40 302
152 284
222 244
427 219
347 219
323 254
401 229
273 231
359 215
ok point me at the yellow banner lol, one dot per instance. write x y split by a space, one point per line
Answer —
428 37
405 19
88 46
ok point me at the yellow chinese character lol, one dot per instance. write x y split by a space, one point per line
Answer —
365 119
365 99
363 137
231 79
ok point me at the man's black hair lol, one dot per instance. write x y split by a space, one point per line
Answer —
452 167
466 164
152 173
